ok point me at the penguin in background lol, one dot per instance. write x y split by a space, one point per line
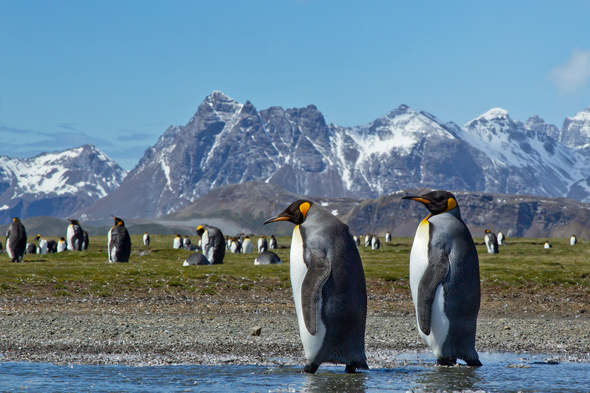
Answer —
228 242
213 243
547 245
61 245
375 243
51 246
368 240
573 240
272 244
196 259
501 239
267 258
31 248
235 246
357 241
41 245
16 240
84 240
74 236
329 287
119 242
444 280
146 239
262 244
177 244
186 242
387 237
491 242
247 245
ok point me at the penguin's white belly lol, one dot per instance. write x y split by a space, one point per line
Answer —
8 249
311 344
439 323
176 243
109 244
70 237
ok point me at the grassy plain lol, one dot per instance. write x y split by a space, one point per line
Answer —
157 269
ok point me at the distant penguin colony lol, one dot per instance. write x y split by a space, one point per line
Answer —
74 236
41 245
196 259
177 243
267 258
262 244
547 245
329 287
16 240
212 242
444 280
146 239
573 240
247 245
119 242
61 244
491 242
272 244
501 239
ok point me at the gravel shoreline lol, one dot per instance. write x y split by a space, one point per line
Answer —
172 331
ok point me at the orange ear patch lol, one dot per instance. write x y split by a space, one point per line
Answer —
303 208
451 204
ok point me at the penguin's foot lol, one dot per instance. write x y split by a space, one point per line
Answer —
446 362
350 369
310 368
473 362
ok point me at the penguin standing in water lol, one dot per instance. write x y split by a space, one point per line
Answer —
16 240
573 240
61 245
247 245
119 246
262 244
491 242
375 243
74 236
146 239
387 237
501 239
84 240
272 244
41 245
213 243
329 288
444 280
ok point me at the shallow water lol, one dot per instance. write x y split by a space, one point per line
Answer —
501 373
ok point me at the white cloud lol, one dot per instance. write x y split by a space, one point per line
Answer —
574 74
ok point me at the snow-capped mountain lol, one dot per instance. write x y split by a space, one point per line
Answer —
227 142
56 184
576 130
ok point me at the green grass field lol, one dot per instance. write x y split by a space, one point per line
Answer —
522 262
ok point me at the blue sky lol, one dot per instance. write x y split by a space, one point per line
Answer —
118 73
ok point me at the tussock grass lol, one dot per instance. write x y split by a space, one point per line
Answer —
522 262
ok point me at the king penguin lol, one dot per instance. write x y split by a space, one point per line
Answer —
51 246
267 258
375 243
146 239
41 245
186 242
387 237
74 236
213 243
262 244
547 245
501 239
573 240
31 248
61 244
329 288
247 245
444 280
119 246
84 240
272 244
491 242
177 243
368 240
16 240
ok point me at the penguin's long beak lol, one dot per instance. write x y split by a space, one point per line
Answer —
418 199
280 217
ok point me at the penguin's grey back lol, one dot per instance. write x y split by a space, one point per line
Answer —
267 258
121 242
17 240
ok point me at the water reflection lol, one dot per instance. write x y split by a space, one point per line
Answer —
335 382
458 378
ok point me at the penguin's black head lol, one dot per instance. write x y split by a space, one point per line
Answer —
487 231
63 239
436 202
15 219
118 222
295 213
38 237
74 222
200 230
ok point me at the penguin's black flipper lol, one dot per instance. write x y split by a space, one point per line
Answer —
318 271
437 270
